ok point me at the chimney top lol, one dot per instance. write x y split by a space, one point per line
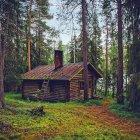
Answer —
58 59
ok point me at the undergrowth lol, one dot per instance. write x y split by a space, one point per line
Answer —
67 121
123 111
91 102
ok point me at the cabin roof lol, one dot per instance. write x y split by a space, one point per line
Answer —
64 73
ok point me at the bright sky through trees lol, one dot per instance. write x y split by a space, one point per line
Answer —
65 31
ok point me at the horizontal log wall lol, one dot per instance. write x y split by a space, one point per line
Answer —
59 92
75 92
31 89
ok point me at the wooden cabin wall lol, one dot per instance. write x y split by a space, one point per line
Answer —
75 92
30 88
60 91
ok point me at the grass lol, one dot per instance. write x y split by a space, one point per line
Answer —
124 112
66 121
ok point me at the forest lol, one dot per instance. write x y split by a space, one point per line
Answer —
92 80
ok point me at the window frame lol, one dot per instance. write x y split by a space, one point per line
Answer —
81 84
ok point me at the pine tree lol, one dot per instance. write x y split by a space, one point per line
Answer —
6 19
120 97
85 48
16 50
95 49
132 20
106 6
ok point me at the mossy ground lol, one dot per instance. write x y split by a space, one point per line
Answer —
89 120
124 112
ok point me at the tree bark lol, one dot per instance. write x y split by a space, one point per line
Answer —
1 70
106 82
3 45
85 49
120 97
28 36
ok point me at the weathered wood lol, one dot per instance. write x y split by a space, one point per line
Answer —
58 93
56 90
31 89
75 92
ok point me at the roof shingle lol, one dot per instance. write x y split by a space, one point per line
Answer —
49 72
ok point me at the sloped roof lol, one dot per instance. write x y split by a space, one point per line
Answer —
49 72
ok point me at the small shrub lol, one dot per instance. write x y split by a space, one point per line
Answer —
15 136
92 102
39 111
2 137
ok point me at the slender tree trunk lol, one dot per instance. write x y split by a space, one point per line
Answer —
39 40
17 33
120 97
113 91
28 36
39 46
74 51
106 82
126 84
1 69
85 49
95 53
1 64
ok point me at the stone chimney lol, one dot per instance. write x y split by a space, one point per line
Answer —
58 59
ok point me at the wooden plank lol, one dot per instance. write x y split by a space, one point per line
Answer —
75 92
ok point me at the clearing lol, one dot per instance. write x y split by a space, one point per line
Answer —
74 120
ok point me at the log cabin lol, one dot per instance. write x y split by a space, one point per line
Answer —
58 82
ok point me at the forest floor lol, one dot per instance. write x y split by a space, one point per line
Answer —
89 120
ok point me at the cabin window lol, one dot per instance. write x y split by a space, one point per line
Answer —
81 85
51 88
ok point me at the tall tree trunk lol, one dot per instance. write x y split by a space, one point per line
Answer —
134 57
28 36
39 40
120 97
39 46
17 32
1 65
95 53
1 69
3 43
85 49
106 81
